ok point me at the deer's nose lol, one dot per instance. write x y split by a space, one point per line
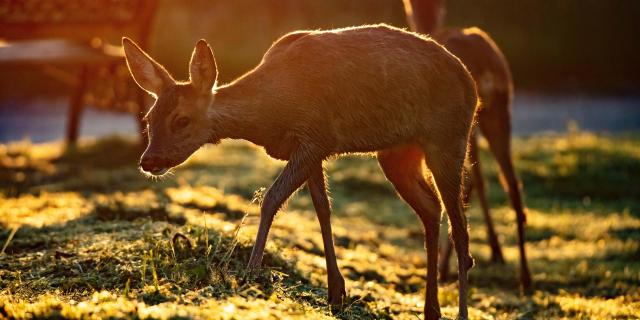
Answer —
153 164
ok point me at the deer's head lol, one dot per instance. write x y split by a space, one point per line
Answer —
177 124
426 16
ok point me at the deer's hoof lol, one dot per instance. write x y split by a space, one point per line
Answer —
337 297
525 286
337 294
432 313
254 264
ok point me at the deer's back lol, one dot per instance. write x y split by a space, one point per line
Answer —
362 89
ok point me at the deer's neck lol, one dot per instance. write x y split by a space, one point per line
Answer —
424 16
234 114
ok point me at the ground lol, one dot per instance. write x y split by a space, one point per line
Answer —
85 234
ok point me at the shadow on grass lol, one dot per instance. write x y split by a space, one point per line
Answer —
23 172
154 257
107 153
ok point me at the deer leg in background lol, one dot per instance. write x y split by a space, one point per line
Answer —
318 190
445 259
498 136
478 184
512 186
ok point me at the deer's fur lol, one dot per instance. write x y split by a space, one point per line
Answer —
317 94
490 70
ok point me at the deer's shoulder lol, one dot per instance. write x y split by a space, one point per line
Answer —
284 42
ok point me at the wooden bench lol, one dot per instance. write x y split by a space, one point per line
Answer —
73 37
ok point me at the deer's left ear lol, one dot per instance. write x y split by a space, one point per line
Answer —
203 71
148 74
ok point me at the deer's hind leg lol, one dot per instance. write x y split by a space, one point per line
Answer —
403 167
445 159
476 183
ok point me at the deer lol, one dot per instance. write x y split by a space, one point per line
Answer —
320 94
490 69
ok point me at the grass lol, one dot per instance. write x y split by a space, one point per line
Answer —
86 235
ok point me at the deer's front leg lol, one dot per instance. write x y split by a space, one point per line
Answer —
294 174
318 190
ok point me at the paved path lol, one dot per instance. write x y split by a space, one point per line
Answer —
45 120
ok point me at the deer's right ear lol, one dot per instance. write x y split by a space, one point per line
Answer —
203 71
148 74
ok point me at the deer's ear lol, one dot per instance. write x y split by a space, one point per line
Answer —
203 71
148 74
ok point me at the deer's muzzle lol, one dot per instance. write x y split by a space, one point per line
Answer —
156 166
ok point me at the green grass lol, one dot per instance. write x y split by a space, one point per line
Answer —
95 238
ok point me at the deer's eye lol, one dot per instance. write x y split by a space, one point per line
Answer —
181 123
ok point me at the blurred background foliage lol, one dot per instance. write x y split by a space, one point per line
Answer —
577 45
583 46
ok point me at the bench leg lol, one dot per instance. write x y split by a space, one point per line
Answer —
76 105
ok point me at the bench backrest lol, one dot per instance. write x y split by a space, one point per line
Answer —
81 20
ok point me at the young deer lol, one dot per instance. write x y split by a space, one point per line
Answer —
490 70
316 94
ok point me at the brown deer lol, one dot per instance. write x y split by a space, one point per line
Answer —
317 94
490 70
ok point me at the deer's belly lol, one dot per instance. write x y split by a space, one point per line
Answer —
375 134
283 146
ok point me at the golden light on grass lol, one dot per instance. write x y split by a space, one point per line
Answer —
43 210
95 241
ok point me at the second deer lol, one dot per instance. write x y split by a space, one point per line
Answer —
490 70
